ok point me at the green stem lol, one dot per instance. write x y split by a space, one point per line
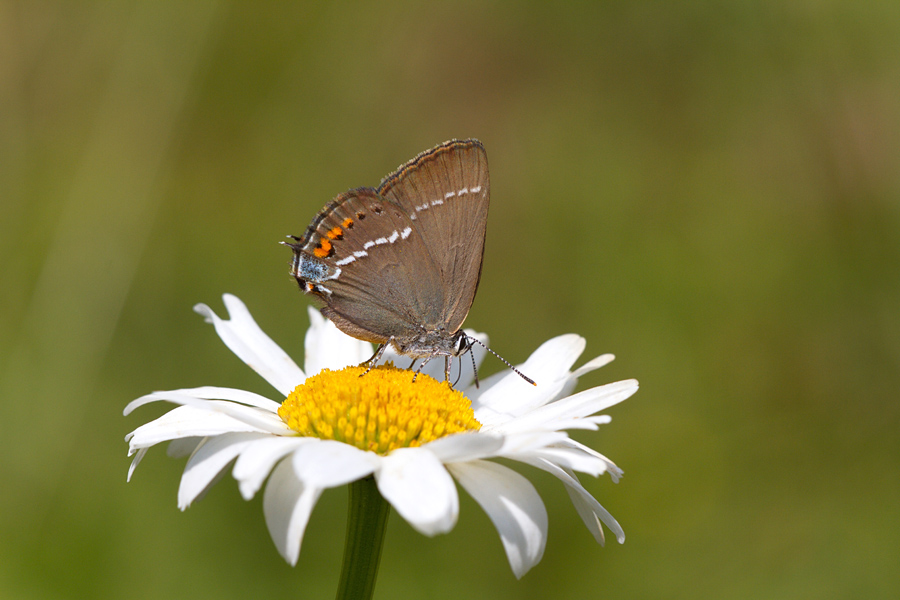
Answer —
366 523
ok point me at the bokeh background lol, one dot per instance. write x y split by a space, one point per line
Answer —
710 191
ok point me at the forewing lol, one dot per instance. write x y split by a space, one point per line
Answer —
446 193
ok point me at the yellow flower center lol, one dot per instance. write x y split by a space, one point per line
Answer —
380 412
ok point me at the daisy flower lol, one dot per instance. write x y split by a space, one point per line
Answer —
415 439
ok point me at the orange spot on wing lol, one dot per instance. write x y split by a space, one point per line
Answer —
348 223
335 232
323 249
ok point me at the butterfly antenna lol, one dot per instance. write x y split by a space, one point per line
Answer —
474 366
459 375
505 362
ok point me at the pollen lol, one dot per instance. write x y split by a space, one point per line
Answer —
380 412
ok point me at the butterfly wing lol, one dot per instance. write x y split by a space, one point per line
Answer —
363 258
446 193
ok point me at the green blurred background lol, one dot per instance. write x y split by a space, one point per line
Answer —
711 191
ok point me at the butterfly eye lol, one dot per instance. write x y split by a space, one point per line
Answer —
462 343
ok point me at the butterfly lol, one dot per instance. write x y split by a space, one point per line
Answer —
399 264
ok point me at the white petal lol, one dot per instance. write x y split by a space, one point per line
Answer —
548 366
592 422
489 418
513 505
465 446
591 365
138 456
556 356
587 514
587 506
415 482
244 337
208 393
328 464
614 472
262 420
327 347
573 460
287 504
258 459
557 414
530 441
486 383
178 448
208 462
557 448
181 447
184 422
258 418
584 502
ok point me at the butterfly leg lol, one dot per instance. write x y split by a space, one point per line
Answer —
375 357
422 366
447 368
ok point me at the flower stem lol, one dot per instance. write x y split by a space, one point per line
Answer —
366 523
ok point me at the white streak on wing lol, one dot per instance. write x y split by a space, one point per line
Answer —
449 194
475 190
381 240
345 261
437 202
463 191
323 289
423 207
394 236
360 254
405 233
368 245
335 275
